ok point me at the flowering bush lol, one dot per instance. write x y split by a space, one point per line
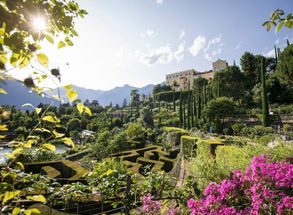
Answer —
264 188
150 206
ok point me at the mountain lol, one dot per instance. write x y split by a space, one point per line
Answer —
18 94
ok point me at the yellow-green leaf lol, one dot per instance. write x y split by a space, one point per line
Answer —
43 59
88 111
3 91
58 135
50 119
68 87
32 210
38 110
2 136
17 151
80 107
49 146
37 198
68 141
20 165
42 130
71 95
9 155
49 38
10 195
3 128
61 44
16 211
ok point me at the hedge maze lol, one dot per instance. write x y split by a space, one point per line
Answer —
153 158
64 170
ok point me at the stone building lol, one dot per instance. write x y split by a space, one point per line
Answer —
184 80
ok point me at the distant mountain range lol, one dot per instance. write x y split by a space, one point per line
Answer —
18 94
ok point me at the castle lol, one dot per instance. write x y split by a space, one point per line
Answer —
184 80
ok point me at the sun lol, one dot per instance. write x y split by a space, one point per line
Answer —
39 23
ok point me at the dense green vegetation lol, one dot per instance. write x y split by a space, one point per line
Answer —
169 145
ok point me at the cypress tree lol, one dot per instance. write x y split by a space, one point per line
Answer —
276 54
174 107
199 104
184 112
288 43
192 110
188 111
265 105
180 111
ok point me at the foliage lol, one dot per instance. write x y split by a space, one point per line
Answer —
218 109
237 128
279 19
257 130
265 187
188 146
284 67
265 103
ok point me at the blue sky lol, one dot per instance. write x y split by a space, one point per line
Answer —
138 42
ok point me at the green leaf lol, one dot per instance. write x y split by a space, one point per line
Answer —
51 119
49 146
58 135
71 95
16 211
3 91
49 38
69 42
10 195
9 155
61 44
43 59
68 141
279 27
80 108
42 130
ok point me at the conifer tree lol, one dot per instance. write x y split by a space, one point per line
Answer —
265 105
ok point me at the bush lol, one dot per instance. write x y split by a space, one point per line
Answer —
264 188
257 130
237 128
188 146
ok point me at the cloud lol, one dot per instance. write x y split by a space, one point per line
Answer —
198 44
182 34
207 56
214 41
270 53
216 52
148 33
179 54
237 47
163 55
159 1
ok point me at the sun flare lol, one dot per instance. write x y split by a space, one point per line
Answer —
39 23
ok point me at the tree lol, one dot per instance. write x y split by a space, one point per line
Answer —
249 67
181 110
134 100
175 84
218 109
265 105
285 65
21 36
124 103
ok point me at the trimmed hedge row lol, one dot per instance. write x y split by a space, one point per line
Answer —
63 169
154 157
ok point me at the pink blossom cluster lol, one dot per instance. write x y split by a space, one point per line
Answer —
264 188
150 206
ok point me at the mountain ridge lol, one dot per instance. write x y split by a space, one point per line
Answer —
18 94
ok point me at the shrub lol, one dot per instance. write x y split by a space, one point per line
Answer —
264 188
237 127
257 130
188 146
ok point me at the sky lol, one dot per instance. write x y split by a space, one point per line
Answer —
138 42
